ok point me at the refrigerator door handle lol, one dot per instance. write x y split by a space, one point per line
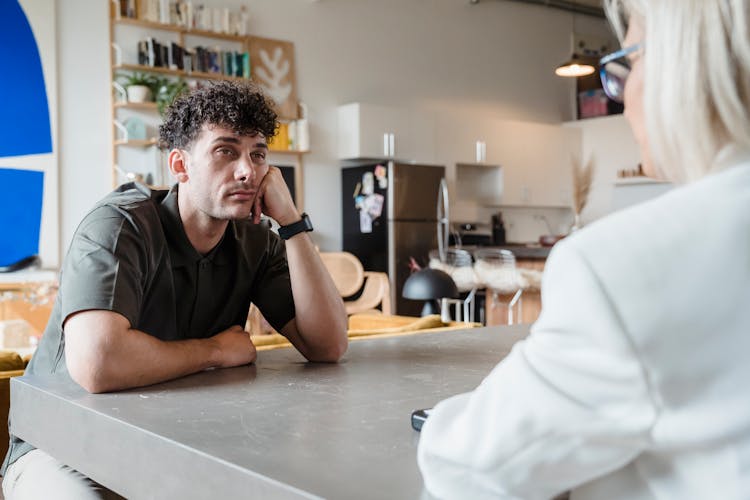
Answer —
386 144
443 218
392 144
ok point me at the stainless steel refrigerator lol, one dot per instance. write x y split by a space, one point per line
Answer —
401 202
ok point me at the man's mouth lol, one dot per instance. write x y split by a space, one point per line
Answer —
242 195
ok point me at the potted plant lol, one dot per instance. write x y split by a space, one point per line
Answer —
166 90
139 86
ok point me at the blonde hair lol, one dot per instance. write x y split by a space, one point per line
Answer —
696 79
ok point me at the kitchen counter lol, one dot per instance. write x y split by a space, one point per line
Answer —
521 251
281 428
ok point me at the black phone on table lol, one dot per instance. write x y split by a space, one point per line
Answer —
418 418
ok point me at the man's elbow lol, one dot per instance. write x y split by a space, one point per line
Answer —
90 379
333 351
89 371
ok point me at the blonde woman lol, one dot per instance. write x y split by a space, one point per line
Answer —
633 382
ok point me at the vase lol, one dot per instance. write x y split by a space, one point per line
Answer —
138 93
577 224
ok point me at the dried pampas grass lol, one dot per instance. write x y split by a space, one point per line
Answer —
583 174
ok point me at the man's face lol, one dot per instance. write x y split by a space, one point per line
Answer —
224 171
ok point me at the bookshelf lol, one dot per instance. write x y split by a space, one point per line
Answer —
140 156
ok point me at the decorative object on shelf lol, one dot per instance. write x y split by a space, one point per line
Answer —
302 129
583 174
592 103
273 71
139 87
280 141
130 176
624 173
136 128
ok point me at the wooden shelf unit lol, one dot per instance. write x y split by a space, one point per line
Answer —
198 75
136 143
136 105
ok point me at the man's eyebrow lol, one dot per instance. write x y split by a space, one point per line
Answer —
226 138
261 145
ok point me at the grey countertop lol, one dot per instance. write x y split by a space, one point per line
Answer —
282 428
521 251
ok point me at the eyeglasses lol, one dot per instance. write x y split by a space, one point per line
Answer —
614 69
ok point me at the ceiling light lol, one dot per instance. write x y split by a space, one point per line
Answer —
575 67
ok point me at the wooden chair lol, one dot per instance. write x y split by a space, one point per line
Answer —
373 288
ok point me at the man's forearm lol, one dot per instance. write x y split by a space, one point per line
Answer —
104 354
320 318
136 359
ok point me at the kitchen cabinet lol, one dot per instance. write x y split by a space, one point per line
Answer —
466 139
537 162
466 145
373 131
534 160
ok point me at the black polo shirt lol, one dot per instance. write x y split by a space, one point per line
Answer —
130 254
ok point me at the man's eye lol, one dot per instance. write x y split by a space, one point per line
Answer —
225 151
258 156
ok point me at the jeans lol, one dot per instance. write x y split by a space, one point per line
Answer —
37 475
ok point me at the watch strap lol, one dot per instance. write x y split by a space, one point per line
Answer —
302 225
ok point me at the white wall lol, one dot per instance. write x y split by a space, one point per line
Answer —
85 130
609 144
497 57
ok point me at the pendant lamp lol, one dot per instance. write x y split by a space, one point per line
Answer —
574 68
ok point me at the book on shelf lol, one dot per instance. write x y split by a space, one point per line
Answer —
177 56
164 11
164 60
148 10
143 58
246 67
214 64
127 9
151 52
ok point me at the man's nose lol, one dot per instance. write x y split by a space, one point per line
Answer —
244 170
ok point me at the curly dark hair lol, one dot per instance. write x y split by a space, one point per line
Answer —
239 106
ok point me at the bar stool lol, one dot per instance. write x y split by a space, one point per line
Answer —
496 269
459 265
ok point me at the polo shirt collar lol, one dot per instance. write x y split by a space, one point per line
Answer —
181 250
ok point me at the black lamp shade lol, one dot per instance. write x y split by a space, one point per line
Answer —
429 284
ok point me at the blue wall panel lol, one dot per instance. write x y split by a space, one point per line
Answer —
20 213
24 111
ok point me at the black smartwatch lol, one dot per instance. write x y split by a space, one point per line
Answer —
304 224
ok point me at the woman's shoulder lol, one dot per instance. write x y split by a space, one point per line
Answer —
666 225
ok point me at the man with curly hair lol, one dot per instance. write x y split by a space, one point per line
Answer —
157 284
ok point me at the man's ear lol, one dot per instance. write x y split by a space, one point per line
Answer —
177 160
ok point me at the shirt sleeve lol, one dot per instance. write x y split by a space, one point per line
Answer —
105 266
272 289
569 404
